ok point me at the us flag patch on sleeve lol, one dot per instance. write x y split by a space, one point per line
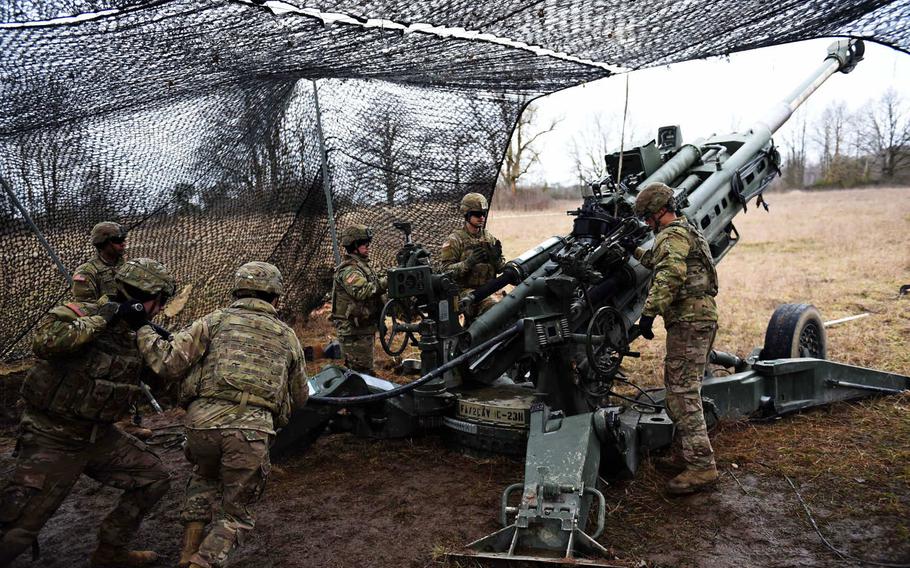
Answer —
79 277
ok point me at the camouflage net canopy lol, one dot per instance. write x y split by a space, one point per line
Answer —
197 123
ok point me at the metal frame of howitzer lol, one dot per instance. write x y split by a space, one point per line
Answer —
564 330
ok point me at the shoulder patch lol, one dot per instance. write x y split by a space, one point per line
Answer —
78 277
351 278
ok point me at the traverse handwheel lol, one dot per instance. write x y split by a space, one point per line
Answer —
606 341
394 327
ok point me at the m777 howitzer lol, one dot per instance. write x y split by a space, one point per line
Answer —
534 375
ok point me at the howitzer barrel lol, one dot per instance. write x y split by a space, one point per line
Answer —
504 312
842 56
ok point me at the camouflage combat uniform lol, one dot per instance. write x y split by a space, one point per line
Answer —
95 278
244 373
682 292
455 251
84 378
356 304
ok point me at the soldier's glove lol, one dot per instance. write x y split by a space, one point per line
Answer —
478 256
497 250
383 283
133 313
645 325
109 311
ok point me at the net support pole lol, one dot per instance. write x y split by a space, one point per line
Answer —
28 219
326 182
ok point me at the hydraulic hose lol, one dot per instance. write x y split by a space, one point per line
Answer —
435 373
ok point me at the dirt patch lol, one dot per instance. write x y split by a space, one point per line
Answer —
348 502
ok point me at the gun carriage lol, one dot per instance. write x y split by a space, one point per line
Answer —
535 374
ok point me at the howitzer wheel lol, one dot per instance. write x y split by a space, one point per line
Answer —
606 341
795 330
396 310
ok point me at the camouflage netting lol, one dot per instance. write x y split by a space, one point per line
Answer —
194 122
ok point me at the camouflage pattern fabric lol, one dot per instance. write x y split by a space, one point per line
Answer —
356 297
230 420
357 351
458 247
86 369
230 469
219 387
53 453
94 279
685 281
688 345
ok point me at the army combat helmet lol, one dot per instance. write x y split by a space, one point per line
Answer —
353 235
143 279
258 276
653 198
105 231
474 202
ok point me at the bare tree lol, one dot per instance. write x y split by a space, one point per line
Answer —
384 147
260 158
831 134
887 132
795 161
599 138
522 152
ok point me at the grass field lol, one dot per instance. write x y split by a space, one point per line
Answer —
847 252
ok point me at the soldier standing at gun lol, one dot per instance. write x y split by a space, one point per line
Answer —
86 375
471 254
682 292
357 299
243 374
95 278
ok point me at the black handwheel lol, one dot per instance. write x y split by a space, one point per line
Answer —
795 330
606 341
395 310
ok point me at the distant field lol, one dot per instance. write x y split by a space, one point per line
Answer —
847 252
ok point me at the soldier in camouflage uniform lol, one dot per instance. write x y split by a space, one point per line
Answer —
243 373
682 292
85 376
357 299
95 278
471 254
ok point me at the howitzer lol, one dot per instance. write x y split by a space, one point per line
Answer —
535 373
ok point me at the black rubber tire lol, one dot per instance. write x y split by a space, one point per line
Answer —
795 330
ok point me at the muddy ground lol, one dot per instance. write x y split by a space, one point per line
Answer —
347 502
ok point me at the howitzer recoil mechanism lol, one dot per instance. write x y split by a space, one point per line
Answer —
535 373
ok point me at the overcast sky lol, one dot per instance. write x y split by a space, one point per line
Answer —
718 95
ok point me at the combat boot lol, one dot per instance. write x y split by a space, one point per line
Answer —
692 481
110 556
193 533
